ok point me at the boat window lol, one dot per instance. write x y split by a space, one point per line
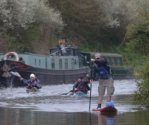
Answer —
115 61
66 63
109 61
73 62
69 51
35 61
119 61
60 64
112 61
21 59
39 62
52 63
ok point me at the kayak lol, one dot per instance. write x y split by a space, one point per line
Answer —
107 110
33 89
79 94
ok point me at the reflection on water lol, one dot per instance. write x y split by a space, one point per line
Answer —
135 118
10 116
130 118
106 120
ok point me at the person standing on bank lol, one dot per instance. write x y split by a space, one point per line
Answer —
103 72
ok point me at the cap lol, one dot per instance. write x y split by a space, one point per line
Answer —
32 75
97 55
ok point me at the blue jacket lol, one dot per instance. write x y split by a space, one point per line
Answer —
33 83
97 66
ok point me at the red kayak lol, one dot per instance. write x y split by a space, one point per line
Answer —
108 110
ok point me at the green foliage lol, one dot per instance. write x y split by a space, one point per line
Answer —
137 49
138 36
21 13
97 25
143 86
22 21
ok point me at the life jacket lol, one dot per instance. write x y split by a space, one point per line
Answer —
82 87
103 72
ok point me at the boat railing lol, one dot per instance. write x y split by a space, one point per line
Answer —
57 52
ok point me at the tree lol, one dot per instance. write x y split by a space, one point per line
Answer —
18 16
137 46
98 25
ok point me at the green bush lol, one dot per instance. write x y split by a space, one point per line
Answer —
143 86
137 49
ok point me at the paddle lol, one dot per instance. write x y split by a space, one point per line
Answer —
90 96
71 92
15 74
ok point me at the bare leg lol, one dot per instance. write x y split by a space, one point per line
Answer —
110 89
100 99
109 98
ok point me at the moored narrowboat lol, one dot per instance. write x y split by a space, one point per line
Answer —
55 68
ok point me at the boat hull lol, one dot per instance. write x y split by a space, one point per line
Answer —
47 77
52 77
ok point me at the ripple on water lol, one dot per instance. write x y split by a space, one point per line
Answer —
49 98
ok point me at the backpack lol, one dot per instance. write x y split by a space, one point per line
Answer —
102 72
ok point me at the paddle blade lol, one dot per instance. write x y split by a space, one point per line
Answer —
15 74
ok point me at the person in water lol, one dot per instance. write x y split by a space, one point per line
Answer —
32 83
103 72
81 85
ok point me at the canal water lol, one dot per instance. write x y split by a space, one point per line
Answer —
51 107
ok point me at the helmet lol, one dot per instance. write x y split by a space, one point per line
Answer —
110 104
97 55
32 75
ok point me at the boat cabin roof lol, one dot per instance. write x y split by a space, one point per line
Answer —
106 54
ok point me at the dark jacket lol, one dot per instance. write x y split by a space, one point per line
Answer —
81 86
97 66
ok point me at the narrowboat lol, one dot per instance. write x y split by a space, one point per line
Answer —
57 67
